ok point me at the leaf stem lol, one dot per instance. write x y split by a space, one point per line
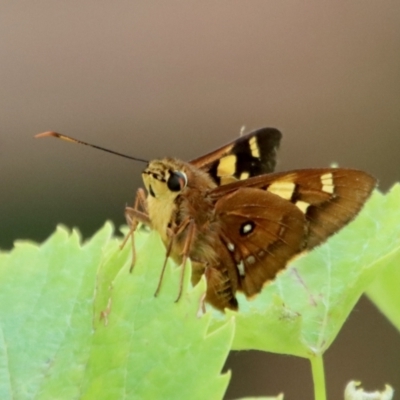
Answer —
317 368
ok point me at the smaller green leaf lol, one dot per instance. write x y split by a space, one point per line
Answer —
384 292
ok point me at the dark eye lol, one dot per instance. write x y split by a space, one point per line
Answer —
177 181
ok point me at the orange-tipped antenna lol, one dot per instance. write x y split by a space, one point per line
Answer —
72 140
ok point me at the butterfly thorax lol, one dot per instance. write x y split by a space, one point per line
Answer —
176 191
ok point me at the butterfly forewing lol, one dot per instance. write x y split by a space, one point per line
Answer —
250 155
267 220
331 198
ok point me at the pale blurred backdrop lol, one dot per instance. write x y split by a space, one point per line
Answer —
179 78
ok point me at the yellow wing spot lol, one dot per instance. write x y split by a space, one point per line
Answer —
244 175
283 189
255 150
224 180
302 205
327 183
227 165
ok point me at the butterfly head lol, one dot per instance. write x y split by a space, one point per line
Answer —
164 178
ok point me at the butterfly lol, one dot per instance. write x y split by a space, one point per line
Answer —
237 221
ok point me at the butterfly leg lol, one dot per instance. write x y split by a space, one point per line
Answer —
185 254
169 248
188 241
133 216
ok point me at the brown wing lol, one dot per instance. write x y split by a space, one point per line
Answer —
266 220
262 231
250 155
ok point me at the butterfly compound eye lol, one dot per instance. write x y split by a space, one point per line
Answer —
177 181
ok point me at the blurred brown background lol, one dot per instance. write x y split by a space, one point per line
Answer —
156 78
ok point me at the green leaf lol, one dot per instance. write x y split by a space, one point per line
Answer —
302 311
54 343
384 290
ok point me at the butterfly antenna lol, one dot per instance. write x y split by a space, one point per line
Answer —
72 140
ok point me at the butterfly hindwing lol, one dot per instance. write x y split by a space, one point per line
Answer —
262 231
250 155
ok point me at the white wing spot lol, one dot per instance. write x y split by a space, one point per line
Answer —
241 268
247 228
251 259
231 246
